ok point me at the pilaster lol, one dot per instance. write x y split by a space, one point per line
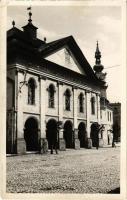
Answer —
75 107
21 145
43 140
88 113
60 114
62 146
76 140
98 108
88 109
60 101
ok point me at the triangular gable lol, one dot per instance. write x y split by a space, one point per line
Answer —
76 53
65 58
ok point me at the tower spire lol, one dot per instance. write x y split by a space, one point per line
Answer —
98 67
30 15
98 55
30 30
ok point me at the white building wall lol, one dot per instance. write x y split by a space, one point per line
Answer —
51 111
93 117
41 109
20 100
27 107
68 114
81 115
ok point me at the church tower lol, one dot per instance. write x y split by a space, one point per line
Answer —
98 68
30 30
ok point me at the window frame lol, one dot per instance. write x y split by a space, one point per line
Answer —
31 91
93 105
51 96
81 103
67 100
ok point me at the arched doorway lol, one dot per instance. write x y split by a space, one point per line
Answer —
68 134
82 135
51 132
31 134
94 133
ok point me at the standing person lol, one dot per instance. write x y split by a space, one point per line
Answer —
97 131
114 134
54 143
97 136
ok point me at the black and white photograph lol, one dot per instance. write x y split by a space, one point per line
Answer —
64 96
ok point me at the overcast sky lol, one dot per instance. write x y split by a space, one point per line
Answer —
87 25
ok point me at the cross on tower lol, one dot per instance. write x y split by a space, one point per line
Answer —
30 14
13 23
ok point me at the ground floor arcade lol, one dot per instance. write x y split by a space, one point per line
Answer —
63 133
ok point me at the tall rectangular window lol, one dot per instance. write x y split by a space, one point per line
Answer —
93 105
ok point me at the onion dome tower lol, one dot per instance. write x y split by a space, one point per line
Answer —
98 67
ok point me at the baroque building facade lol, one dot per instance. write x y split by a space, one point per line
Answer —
52 90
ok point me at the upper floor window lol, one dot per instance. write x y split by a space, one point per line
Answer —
51 91
31 91
93 105
101 114
81 103
67 99
110 116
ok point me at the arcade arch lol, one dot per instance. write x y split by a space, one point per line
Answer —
31 134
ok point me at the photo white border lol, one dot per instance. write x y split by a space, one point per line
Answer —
3 28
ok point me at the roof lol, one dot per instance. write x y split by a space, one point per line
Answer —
35 50
15 33
70 42
30 25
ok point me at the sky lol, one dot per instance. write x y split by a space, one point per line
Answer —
87 24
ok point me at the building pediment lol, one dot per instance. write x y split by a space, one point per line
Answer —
64 57
68 49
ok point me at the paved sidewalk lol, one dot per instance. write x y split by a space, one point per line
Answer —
71 171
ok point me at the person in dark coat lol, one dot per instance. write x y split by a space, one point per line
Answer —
115 129
96 130
97 136
54 143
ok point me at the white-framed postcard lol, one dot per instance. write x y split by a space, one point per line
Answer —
63 99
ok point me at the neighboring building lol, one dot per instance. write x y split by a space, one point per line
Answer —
52 88
116 120
106 119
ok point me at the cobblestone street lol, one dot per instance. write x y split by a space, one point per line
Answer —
71 171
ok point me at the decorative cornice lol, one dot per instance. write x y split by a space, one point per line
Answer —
74 87
54 78
59 83
41 77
